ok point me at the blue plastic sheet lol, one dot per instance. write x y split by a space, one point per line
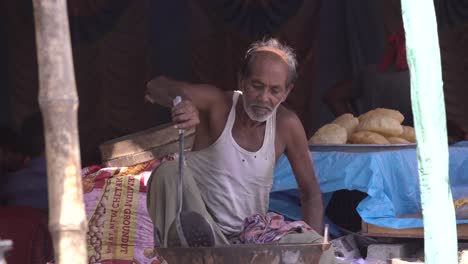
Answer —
390 178
461 144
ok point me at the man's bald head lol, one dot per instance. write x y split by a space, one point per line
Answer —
275 48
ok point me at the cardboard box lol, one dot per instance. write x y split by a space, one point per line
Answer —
153 143
346 247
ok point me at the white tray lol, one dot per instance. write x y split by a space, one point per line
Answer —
359 147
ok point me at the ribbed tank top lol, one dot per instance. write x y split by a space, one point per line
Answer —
234 183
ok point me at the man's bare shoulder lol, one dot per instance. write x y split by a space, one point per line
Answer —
289 128
228 95
221 104
287 119
224 100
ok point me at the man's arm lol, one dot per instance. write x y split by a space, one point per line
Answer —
298 155
195 97
162 90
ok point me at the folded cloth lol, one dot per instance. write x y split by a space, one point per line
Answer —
269 228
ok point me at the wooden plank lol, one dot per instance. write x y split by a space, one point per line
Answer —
246 254
58 101
377 231
153 153
140 141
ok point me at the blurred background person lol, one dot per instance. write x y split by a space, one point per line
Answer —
28 186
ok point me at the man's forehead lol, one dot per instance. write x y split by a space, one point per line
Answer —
265 57
265 72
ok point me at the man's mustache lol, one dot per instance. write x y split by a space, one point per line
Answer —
270 108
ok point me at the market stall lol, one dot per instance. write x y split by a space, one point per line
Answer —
387 174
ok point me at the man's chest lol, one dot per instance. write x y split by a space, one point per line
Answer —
254 139
251 139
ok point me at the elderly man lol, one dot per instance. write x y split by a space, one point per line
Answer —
239 137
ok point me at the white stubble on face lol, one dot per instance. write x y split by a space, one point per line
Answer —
255 116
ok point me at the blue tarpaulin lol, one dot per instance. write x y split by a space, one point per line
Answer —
390 178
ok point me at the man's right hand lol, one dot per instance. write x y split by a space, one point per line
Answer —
196 98
185 115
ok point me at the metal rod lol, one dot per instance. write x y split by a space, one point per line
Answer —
175 102
181 170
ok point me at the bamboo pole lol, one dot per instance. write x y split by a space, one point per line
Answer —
427 98
59 102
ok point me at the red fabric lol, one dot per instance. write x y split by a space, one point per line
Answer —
396 52
27 228
96 176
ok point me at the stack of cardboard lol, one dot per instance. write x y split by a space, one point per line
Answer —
153 143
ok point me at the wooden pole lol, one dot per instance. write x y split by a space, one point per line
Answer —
59 102
427 98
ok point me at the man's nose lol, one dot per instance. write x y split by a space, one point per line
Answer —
263 96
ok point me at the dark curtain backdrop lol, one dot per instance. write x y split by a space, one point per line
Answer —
111 48
220 34
452 19
119 45
4 101
454 54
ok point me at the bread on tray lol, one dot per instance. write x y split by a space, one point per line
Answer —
378 126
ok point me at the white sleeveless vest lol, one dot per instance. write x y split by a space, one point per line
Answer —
234 183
